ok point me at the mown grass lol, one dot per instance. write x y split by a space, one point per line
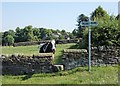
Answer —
98 75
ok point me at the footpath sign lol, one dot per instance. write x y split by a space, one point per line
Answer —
89 24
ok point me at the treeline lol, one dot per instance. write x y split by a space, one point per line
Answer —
106 33
30 34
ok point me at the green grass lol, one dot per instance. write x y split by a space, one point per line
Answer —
20 49
35 50
32 49
59 51
98 75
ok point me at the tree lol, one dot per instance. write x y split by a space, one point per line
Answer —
106 32
80 29
63 32
49 33
1 34
99 13
118 17
46 34
84 43
74 32
19 35
36 33
10 32
5 34
9 40
28 33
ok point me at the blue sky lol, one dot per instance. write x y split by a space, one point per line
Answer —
51 15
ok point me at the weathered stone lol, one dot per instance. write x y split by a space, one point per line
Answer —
21 64
75 50
100 57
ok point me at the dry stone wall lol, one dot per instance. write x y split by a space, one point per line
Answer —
105 55
44 41
43 63
74 57
24 64
30 43
99 56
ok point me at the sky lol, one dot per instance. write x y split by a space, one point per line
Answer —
51 15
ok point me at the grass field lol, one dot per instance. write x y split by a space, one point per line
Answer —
80 75
34 50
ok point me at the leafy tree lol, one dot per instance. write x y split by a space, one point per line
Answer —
9 40
84 43
43 33
35 38
28 33
19 35
10 32
106 31
25 34
80 29
74 32
5 34
58 31
63 32
46 34
99 13
1 34
49 33
36 32
118 17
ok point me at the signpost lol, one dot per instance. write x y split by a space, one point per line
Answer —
89 24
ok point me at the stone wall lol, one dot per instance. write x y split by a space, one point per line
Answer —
99 56
74 57
24 64
43 63
105 55
30 43
44 41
